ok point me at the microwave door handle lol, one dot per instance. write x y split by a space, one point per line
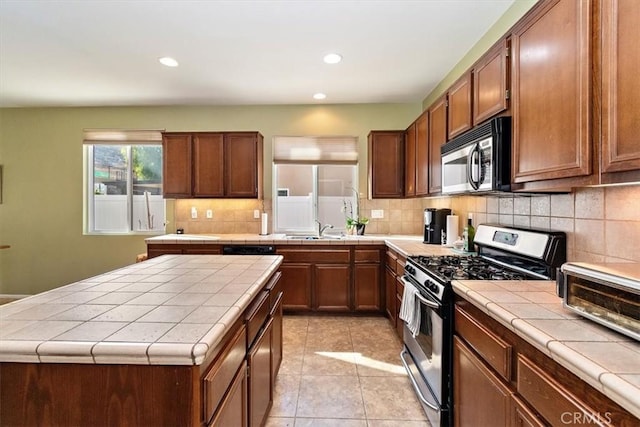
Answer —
470 165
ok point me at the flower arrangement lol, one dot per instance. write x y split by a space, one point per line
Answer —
352 217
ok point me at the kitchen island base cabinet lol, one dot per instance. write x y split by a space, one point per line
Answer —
259 362
233 409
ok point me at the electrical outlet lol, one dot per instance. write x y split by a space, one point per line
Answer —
377 213
194 212
209 213
256 214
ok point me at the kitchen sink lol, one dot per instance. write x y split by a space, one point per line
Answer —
307 237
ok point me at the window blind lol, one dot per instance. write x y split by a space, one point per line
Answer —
122 136
315 149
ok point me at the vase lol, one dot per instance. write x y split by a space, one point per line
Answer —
360 229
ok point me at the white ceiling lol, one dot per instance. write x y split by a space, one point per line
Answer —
105 52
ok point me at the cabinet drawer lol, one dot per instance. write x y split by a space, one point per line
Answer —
274 287
223 371
493 349
313 255
554 402
367 255
256 316
400 266
391 260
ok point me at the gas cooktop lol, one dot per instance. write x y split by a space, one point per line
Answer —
450 267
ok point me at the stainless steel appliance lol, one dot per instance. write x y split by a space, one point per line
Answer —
478 160
608 294
435 221
248 250
504 253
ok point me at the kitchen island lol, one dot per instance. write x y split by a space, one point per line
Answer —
162 342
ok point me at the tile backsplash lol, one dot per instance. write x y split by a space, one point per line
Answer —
602 223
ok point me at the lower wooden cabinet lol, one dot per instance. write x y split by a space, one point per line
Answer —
390 294
276 339
296 285
332 287
480 397
157 249
233 409
259 388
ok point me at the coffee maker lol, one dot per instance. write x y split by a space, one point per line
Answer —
435 221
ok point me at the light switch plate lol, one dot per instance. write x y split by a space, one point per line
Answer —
209 213
377 213
256 214
194 213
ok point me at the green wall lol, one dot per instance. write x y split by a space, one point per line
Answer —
41 150
499 29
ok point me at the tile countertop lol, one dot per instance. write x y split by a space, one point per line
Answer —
405 244
169 310
606 360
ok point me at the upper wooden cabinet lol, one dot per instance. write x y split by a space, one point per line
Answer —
386 164
437 138
459 103
552 137
620 90
416 165
410 161
491 83
212 164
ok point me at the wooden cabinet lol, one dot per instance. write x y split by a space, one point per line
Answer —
552 136
480 397
259 382
501 379
416 167
459 118
276 338
390 295
386 164
233 409
212 164
332 287
491 82
437 138
394 270
157 249
620 149
410 161
296 285
366 280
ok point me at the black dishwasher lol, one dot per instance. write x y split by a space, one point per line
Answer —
248 250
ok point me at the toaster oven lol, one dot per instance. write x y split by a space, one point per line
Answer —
608 294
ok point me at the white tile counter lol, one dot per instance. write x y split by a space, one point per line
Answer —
606 360
172 309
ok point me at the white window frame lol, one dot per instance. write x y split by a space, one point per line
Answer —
89 196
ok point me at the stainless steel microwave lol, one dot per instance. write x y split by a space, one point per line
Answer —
478 160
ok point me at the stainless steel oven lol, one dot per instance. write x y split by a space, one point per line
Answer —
478 160
426 355
504 253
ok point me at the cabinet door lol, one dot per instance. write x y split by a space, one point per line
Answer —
367 287
551 77
386 164
523 416
176 165
332 287
422 155
479 397
276 340
390 294
459 114
410 161
233 409
620 85
490 83
437 138
296 286
208 165
241 164
259 361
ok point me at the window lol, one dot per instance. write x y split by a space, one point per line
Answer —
314 178
124 182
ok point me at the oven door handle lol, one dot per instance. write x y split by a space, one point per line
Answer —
415 384
428 303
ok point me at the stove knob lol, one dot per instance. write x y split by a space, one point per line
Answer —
433 287
410 269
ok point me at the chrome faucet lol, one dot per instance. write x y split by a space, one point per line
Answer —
321 228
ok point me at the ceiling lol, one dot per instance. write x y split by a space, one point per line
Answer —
105 52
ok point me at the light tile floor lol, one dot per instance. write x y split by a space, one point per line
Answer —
343 372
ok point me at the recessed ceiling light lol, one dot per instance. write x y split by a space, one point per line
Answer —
319 95
169 62
332 58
